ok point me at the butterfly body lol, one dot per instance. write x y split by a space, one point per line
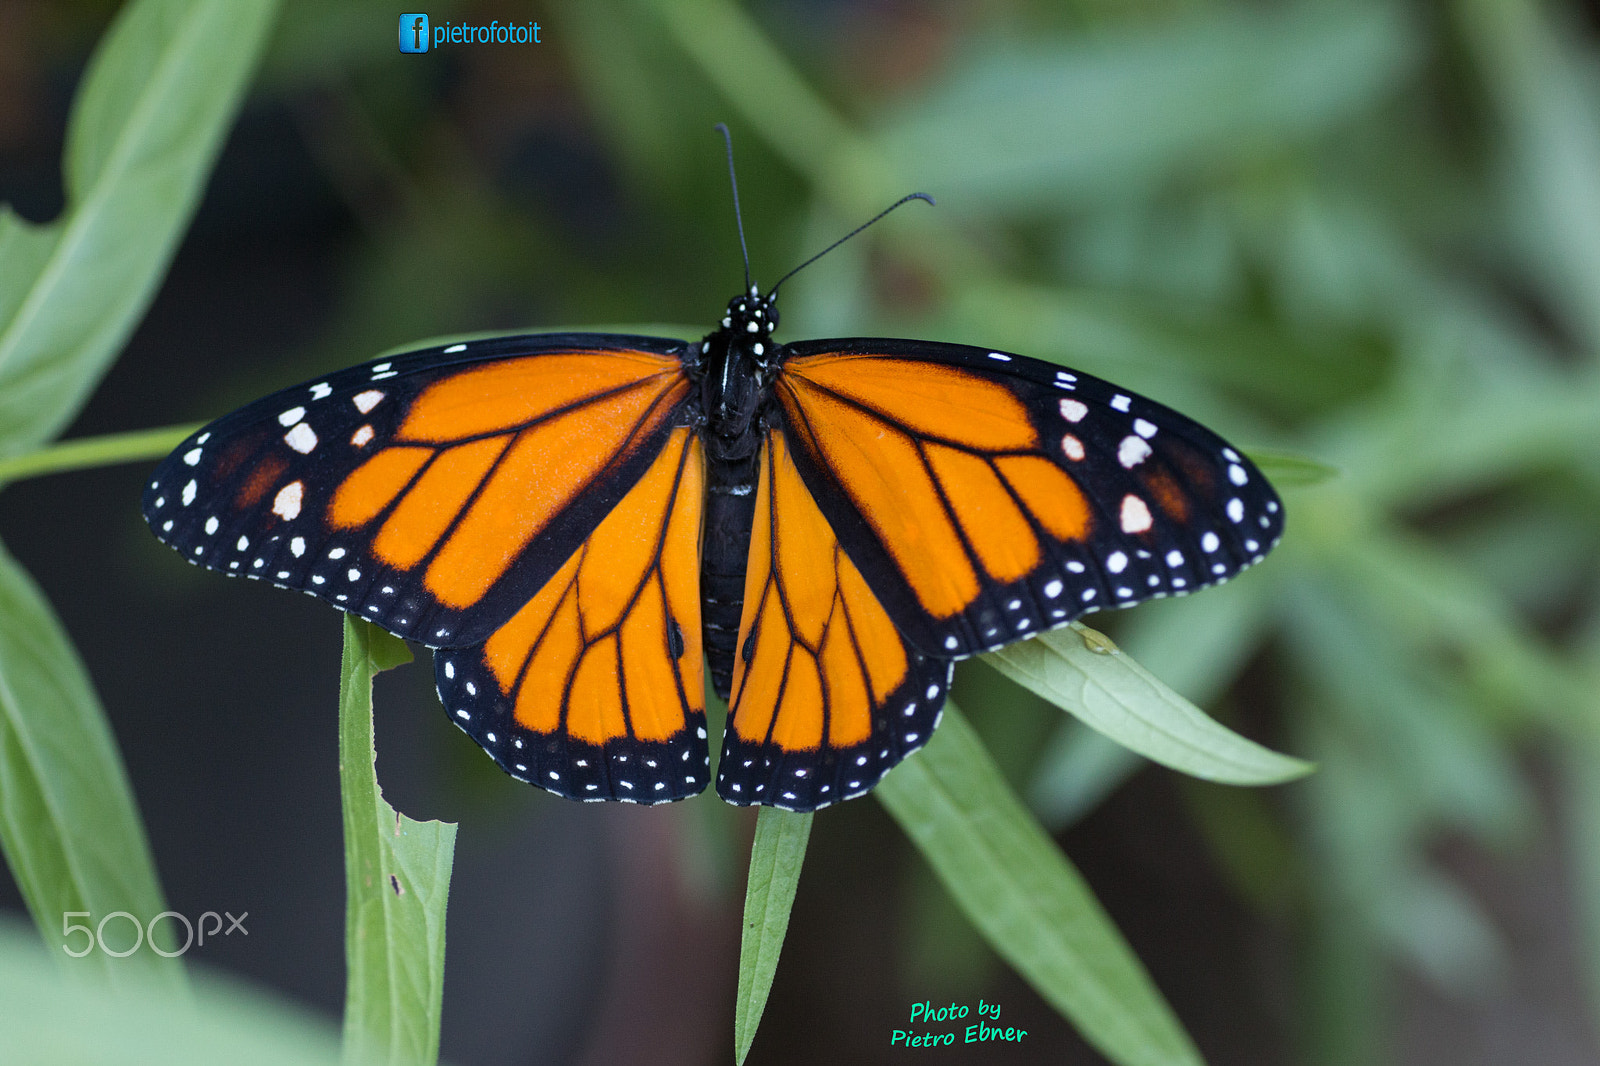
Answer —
576 522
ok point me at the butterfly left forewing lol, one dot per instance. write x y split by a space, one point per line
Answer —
827 695
433 492
594 689
987 496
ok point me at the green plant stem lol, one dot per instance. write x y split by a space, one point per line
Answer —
88 452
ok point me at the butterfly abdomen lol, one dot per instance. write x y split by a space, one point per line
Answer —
730 514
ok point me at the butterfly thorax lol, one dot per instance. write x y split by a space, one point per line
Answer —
735 370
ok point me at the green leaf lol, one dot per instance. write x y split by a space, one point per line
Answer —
1084 673
1286 470
776 855
149 117
49 1017
68 822
1026 898
397 881
1109 114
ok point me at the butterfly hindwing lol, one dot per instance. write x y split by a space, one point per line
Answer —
988 496
827 695
594 689
434 492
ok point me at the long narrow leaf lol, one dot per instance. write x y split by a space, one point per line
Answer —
1081 671
397 882
776 855
68 822
1029 902
156 102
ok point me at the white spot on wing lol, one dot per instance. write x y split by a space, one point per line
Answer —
211 525
366 401
1210 543
298 546
1072 448
1132 451
1120 402
286 504
321 390
1001 356
361 436
1073 410
301 438
188 493
1143 428
291 416
1116 562
454 348
1135 515
1237 475
192 457
1236 509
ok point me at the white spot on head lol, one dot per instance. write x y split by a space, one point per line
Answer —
286 504
1120 402
192 456
758 348
1072 447
751 327
211 525
361 436
1132 451
1135 515
1116 562
291 416
454 348
1143 428
1237 475
366 401
1074 410
298 546
188 493
301 438
1052 589
1210 543
321 390
1236 509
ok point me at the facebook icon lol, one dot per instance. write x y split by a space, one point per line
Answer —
413 33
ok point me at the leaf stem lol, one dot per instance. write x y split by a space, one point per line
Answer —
87 452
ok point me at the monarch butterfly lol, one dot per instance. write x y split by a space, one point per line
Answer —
576 521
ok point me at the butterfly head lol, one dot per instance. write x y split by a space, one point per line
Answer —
751 318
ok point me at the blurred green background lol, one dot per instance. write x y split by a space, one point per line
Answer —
1366 233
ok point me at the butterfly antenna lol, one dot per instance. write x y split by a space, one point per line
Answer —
903 200
733 179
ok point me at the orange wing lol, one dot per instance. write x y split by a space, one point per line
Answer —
827 696
594 689
432 493
988 496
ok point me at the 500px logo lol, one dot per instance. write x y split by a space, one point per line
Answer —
415 35
96 938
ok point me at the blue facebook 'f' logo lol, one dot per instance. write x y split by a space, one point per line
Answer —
413 33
